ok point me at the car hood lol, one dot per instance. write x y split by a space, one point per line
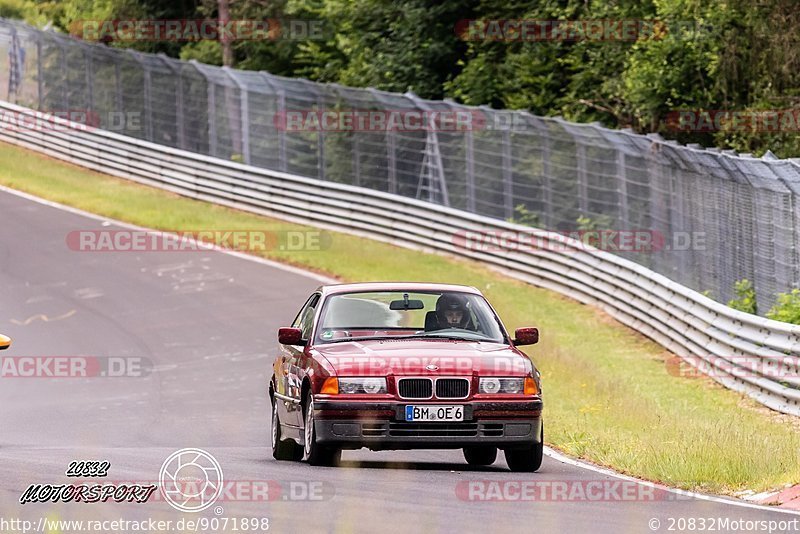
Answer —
423 357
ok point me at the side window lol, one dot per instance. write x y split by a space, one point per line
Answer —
299 316
305 319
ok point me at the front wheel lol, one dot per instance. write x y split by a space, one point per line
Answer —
313 452
480 455
528 459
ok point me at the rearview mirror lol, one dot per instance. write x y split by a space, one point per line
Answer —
290 336
5 342
406 305
526 336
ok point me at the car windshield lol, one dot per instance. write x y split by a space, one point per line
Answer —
410 314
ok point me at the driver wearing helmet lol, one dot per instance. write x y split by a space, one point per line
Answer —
452 311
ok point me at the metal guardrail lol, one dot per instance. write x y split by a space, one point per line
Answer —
506 164
683 321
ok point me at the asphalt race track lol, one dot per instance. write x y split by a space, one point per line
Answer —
206 323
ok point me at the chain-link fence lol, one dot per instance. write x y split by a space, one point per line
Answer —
723 217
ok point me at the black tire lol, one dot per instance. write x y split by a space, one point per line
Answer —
313 452
480 455
286 450
528 459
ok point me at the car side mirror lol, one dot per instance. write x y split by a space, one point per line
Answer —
5 342
526 336
290 336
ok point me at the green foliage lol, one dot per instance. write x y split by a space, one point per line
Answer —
587 224
13 9
398 45
787 308
577 79
21 9
209 52
524 216
714 55
745 297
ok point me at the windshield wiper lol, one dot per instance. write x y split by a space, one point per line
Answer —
412 336
447 337
343 339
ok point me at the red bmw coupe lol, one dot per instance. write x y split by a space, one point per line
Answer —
404 366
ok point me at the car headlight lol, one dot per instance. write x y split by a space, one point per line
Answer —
362 385
501 385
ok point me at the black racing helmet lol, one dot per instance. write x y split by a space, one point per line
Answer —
452 302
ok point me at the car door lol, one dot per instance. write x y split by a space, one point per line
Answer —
291 364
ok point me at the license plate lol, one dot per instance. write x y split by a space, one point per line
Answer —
431 412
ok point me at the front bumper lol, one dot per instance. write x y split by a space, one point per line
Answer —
382 425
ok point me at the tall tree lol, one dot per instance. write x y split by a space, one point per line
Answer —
225 39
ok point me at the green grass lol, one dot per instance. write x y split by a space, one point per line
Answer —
608 395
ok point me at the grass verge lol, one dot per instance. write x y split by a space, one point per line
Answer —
609 397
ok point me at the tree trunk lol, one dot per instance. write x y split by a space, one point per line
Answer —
232 106
227 47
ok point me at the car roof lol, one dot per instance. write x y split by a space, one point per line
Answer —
394 286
